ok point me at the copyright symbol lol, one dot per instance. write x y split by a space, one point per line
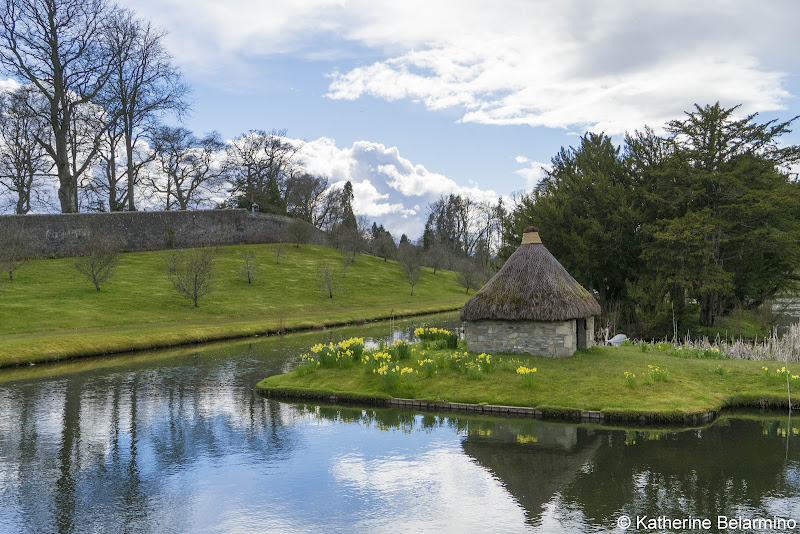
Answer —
624 522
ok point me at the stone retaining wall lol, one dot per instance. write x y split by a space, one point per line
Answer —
584 416
66 234
557 339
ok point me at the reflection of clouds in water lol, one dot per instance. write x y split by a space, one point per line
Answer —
445 489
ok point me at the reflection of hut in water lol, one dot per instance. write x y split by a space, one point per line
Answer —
531 306
533 468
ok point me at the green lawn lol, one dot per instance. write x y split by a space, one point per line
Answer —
50 312
589 380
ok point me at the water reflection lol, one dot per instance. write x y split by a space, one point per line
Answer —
124 440
179 441
582 478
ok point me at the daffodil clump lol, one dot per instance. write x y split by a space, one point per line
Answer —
438 338
308 364
393 376
395 367
374 360
780 374
427 367
656 374
474 371
401 349
528 374
630 379
343 355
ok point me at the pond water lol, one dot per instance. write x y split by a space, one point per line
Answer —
179 441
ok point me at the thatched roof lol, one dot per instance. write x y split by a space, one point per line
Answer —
532 285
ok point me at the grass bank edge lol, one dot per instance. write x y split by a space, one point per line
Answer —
747 389
25 349
554 413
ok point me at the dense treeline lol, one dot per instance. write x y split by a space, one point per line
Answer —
700 220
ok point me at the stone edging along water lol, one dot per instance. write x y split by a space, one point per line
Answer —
558 414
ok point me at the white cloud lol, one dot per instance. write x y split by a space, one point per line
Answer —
386 185
521 159
605 65
534 173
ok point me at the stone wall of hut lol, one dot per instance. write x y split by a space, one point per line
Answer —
556 339
585 332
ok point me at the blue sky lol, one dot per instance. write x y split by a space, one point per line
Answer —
414 99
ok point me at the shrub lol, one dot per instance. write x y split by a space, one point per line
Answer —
14 249
191 272
99 261
248 270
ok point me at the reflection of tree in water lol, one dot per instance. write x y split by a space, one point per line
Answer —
113 439
91 445
589 476
735 465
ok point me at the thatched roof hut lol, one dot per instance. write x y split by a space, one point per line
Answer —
534 293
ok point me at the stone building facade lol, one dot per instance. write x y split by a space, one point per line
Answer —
554 339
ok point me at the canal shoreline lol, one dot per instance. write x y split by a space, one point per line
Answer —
566 415
61 346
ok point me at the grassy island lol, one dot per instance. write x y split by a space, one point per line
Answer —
50 312
647 383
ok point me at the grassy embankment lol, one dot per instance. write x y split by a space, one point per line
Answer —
49 312
745 324
674 389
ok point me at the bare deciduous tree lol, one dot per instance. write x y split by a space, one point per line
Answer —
258 164
350 245
249 268
438 257
299 231
14 250
410 259
305 194
191 272
144 85
328 280
277 250
58 47
189 170
99 260
470 275
23 161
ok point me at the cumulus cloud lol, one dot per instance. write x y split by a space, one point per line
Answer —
386 186
534 173
603 67
608 65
